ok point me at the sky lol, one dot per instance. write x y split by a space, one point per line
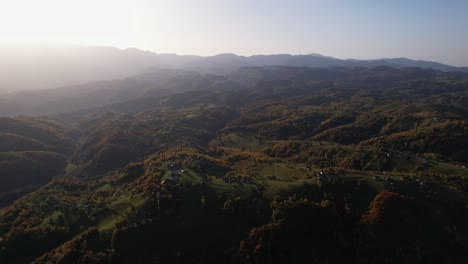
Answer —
360 29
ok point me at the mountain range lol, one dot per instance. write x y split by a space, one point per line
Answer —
126 156
44 67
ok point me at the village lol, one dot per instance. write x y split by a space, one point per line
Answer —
178 172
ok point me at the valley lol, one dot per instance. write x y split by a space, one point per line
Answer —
263 165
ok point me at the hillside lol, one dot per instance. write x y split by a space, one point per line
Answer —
160 83
33 151
264 165
97 94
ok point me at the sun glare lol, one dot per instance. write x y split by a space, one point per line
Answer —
66 21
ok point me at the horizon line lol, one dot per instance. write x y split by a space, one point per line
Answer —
2 44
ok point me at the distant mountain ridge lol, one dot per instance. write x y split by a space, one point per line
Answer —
45 67
225 63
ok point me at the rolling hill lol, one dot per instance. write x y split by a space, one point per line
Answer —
264 165
33 151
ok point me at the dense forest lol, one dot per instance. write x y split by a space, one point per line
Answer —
263 165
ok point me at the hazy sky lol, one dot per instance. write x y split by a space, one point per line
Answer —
418 29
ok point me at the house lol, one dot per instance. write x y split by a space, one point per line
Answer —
172 178
173 165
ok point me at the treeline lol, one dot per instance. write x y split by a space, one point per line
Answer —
394 229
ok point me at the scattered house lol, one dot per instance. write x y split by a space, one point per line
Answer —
175 166
172 178
327 176
239 179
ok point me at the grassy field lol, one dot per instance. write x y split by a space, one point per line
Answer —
117 210
240 140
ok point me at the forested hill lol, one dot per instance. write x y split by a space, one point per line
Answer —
165 82
32 151
263 165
